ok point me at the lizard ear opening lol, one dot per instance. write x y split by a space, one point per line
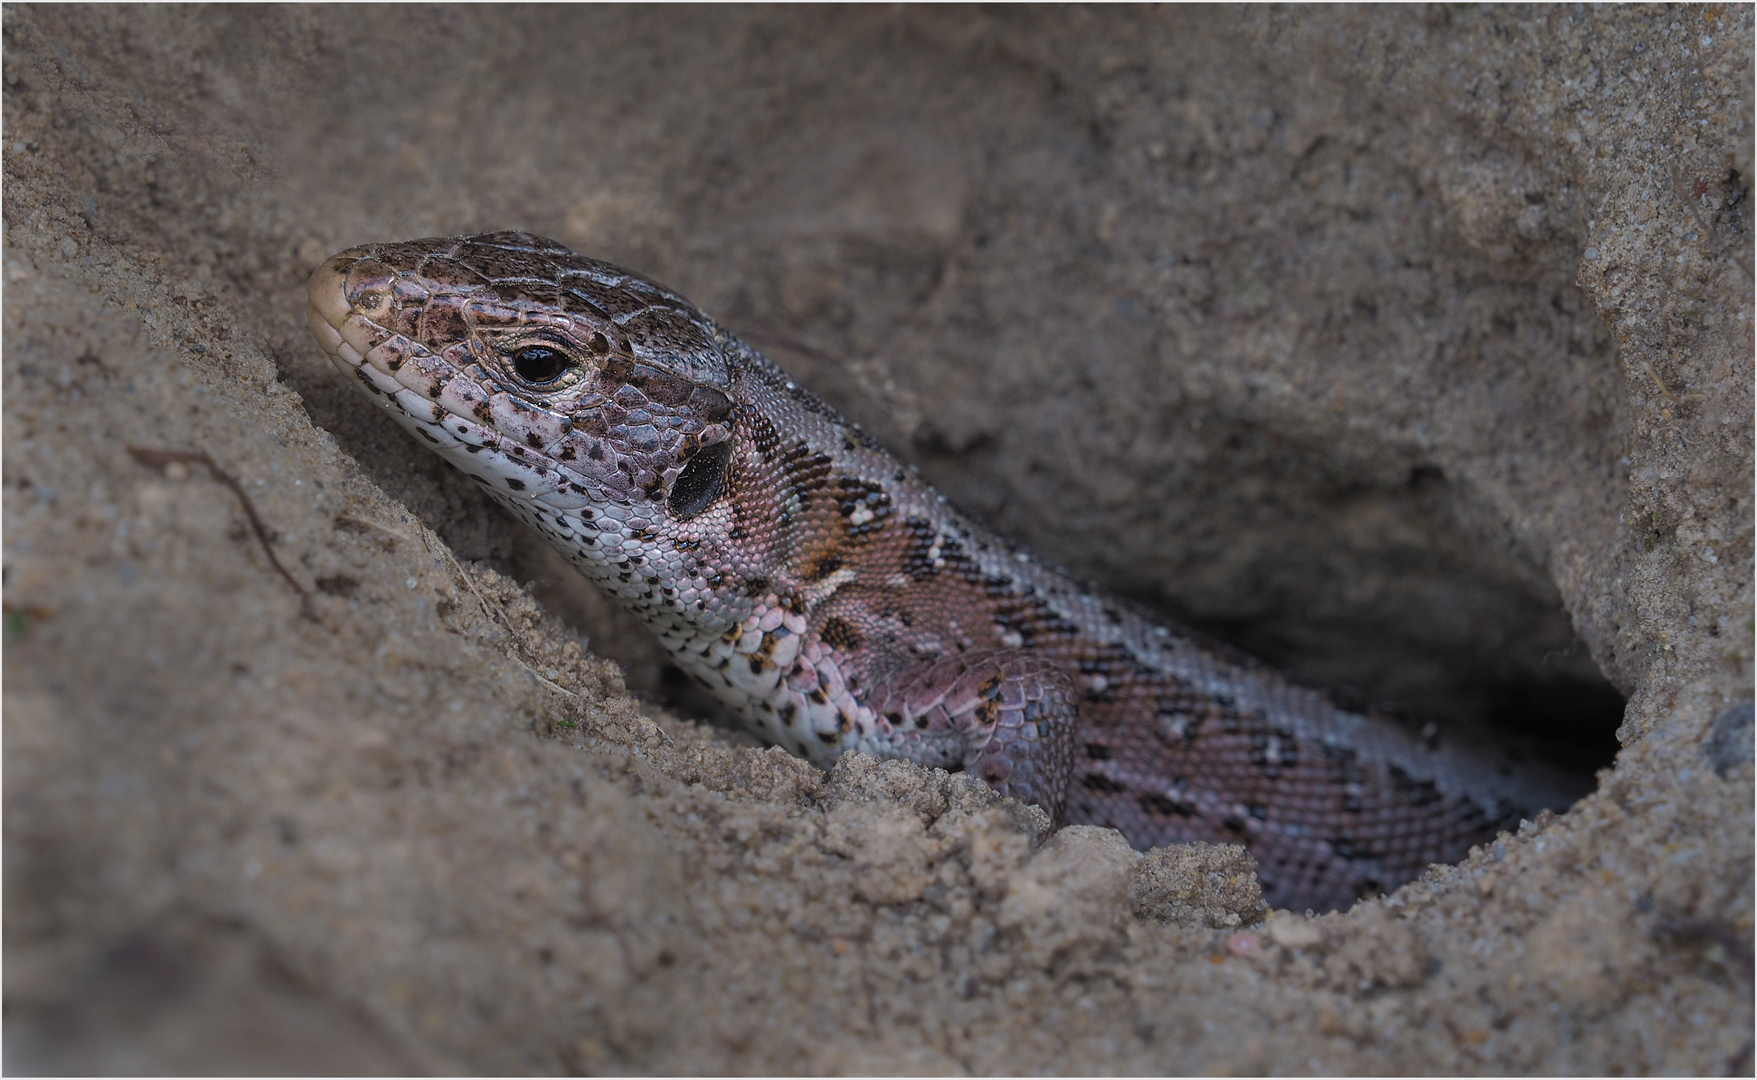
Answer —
698 485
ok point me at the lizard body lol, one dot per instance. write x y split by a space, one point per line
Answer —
835 601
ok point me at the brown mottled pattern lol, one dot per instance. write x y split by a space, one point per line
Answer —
693 480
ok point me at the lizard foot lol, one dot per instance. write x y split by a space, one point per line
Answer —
1014 711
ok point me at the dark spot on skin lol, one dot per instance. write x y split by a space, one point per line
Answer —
756 586
839 633
699 484
1100 783
1098 751
828 738
516 485
823 566
1161 806
788 712
1416 793
532 441
757 664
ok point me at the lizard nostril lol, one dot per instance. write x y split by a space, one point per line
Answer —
367 283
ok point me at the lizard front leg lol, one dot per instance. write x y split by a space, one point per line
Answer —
1012 713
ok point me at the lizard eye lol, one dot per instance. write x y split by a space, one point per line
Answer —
540 364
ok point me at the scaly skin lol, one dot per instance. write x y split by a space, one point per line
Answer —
836 602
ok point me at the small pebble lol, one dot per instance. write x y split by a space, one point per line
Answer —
1244 944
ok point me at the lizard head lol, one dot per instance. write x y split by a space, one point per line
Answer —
553 379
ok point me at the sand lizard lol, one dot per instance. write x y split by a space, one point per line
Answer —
835 601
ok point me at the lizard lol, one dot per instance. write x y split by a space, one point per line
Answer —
833 600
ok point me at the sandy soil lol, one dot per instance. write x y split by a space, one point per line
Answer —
1411 350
